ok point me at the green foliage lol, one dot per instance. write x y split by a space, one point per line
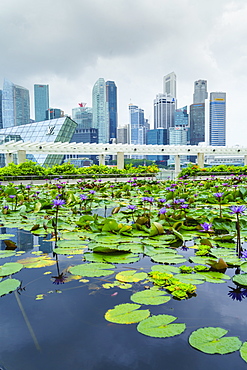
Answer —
126 313
160 326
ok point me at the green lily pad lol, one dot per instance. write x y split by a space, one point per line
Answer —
92 269
37 262
152 296
126 313
243 266
7 253
201 260
214 277
166 268
131 276
160 326
6 236
195 279
240 279
209 340
117 284
109 239
166 258
111 257
8 285
243 351
10 268
71 251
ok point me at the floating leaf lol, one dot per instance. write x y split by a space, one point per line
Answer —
209 340
10 268
37 262
240 279
112 257
117 284
8 285
243 351
191 278
5 236
214 277
92 269
166 258
68 251
131 276
243 266
165 268
126 313
152 296
5 253
160 326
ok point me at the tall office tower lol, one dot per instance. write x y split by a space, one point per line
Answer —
157 137
41 102
138 125
15 105
111 99
169 85
100 111
83 116
1 117
200 91
164 108
123 135
53 113
197 113
217 119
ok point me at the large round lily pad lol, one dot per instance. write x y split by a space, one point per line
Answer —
131 276
243 351
8 285
92 269
152 297
211 340
160 326
37 262
240 279
10 268
126 313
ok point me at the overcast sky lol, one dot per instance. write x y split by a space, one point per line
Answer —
69 44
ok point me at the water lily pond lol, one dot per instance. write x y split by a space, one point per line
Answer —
140 275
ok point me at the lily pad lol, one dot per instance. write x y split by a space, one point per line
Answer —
214 277
131 276
8 285
240 279
152 297
160 326
6 236
165 268
37 262
112 257
209 340
7 253
195 279
71 251
243 351
10 268
126 313
166 258
92 269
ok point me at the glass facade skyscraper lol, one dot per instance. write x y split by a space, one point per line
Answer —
111 99
138 125
217 119
197 113
164 108
200 91
100 111
15 105
41 101
170 85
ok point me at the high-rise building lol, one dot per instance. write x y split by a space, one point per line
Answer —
164 107
123 135
41 101
53 113
111 99
1 117
15 105
217 119
197 113
100 111
157 137
200 91
169 85
138 125
83 116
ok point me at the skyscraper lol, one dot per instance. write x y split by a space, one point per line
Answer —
1 117
41 101
164 107
217 119
197 113
100 111
169 85
111 99
138 125
15 105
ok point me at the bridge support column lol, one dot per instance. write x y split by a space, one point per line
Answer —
200 159
120 160
177 164
8 158
102 159
245 160
21 154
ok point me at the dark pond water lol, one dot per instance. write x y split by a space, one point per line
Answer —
67 329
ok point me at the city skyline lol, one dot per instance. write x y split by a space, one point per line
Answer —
135 49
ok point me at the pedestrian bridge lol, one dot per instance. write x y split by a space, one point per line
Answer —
120 150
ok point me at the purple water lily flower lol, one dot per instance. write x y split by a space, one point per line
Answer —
244 254
58 203
12 196
237 293
206 226
218 195
132 207
184 206
148 199
237 209
83 196
92 191
162 211
161 200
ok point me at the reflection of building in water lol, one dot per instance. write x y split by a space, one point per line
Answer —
25 240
